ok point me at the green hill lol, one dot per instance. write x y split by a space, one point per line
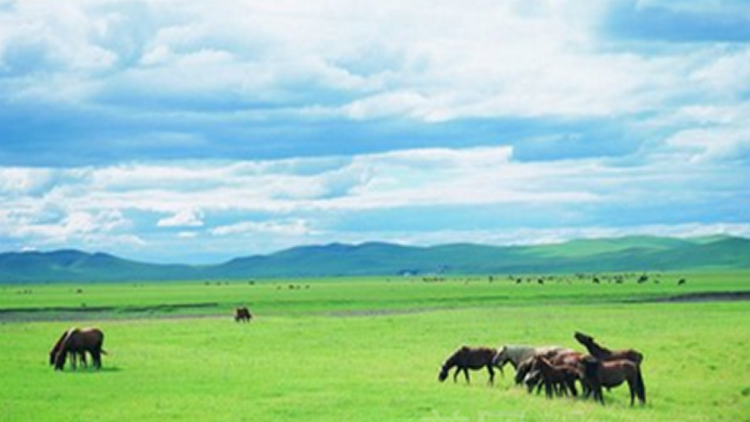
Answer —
639 253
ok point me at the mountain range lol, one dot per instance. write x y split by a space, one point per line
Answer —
635 253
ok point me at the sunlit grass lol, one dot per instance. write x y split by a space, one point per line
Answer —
318 363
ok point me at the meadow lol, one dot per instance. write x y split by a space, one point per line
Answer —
365 349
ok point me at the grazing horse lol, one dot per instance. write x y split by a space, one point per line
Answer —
80 341
242 314
598 373
602 353
466 358
562 377
81 355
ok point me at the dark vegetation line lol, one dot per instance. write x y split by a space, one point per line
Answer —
694 297
215 309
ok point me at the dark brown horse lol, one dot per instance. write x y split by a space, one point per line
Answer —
466 358
602 353
612 373
242 314
557 377
79 341
81 356
558 356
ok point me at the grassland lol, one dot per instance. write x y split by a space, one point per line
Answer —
365 350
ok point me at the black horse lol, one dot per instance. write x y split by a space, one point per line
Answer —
466 358
79 341
75 356
242 314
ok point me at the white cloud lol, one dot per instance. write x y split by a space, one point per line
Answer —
293 227
18 180
421 177
103 227
540 236
712 144
184 218
379 58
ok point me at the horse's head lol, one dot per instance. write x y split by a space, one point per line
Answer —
501 358
443 373
52 354
59 358
532 379
583 338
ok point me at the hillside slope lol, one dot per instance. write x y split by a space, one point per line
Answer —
620 254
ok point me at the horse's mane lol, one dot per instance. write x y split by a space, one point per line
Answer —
58 344
592 346
451 361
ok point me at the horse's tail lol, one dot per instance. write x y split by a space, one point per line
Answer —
640 390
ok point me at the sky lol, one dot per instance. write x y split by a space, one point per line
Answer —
194 131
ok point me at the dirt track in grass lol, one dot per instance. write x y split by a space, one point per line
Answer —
214 310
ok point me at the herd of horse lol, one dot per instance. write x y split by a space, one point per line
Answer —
555 368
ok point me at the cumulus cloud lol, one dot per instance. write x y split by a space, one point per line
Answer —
291 227
145 122
305 200
184 218
499 58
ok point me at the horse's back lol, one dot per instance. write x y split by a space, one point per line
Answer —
90 338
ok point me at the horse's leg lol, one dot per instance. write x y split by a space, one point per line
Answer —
641 388
585 388
539 386
74 359
466 375
572 386
492 373
455 374
97 358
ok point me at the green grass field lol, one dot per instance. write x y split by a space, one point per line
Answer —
361 350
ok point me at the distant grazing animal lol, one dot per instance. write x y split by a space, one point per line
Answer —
681 281
79 341
598 374
466 358
242 314
602 353
74 355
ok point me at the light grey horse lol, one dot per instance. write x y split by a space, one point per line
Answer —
516 354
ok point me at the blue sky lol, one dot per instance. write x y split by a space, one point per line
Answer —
198 131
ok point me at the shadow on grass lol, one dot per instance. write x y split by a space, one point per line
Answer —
91 371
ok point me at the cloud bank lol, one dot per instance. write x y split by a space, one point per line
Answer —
156 128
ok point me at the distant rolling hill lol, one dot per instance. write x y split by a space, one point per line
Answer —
586 255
